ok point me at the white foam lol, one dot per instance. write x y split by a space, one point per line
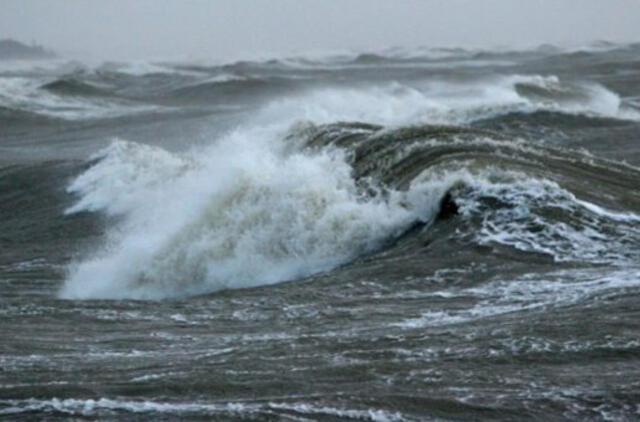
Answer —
486 98
125 176
528 220
244 212
580 98
440 102
526 293
618 216
89 407
375 415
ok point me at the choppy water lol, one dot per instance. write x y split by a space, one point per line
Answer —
266 240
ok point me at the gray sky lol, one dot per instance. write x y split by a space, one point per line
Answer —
221 29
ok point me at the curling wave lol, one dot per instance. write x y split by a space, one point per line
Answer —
285 198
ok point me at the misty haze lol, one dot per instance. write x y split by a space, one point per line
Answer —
317 211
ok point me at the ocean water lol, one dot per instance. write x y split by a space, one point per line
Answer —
445 235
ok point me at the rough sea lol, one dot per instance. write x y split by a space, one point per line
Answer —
410 235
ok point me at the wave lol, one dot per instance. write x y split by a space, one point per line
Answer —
72 86
226 87
587 98
458 103
292 193
112 89
528 201
397 55
194 225
78 101
238 217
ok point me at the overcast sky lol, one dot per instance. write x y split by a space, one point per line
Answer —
222 29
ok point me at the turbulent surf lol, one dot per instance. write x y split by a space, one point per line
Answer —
440 234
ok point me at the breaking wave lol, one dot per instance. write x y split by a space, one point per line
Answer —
292 193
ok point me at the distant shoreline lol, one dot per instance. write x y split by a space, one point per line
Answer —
15 50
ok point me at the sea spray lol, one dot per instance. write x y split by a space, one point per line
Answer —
240 213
